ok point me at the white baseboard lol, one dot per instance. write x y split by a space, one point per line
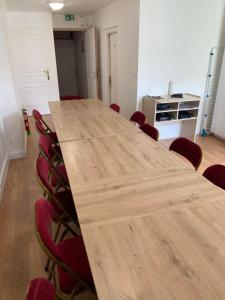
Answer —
17 155
3 175
10 156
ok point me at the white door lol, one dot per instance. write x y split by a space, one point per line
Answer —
92 62
218 123
113 67
34 56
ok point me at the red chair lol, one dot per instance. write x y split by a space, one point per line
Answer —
216 174
69 256
41 289
38 117
71 97
138 117
115 107
53 155
150 131
41 131
63 199
188 149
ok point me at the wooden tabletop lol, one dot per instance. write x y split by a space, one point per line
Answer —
173 255
90 124
73 106
153 228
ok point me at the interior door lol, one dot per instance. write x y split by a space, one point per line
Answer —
34 56
92 62
113 65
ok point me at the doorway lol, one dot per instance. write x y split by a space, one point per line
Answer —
71 64
113 66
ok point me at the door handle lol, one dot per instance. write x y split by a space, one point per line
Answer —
47 74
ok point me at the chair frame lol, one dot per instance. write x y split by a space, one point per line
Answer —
45 132
80 287
52 197
58 159
48 129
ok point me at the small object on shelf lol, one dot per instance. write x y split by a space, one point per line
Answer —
164 106
185 115
164 117
155 97
170 88
179 95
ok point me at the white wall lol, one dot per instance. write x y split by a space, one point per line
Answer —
174 44
11 130
125 15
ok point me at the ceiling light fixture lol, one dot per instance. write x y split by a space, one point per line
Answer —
56 5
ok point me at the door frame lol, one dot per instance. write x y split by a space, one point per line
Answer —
108 32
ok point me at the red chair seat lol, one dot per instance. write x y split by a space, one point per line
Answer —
66 199
62 171
41 289
73 254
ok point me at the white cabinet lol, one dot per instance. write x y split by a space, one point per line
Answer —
173 117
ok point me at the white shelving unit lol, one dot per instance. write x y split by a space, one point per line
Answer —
175 108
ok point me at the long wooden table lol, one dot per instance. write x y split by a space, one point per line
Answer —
153 228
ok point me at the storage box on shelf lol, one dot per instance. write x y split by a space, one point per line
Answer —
173 117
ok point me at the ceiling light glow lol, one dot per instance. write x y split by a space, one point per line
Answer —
56 5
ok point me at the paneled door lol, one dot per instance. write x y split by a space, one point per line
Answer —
34 56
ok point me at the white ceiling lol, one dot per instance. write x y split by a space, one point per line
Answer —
71 6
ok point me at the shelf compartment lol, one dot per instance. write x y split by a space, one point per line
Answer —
172 115
189 105
188 114
166 107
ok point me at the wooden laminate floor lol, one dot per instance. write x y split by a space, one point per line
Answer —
21 259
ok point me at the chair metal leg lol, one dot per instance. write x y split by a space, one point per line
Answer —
55 240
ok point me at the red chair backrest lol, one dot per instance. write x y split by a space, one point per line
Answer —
44 216
115 107
37 115
150 131
138 117
43 169
188 149
41 288
40 128
71 97
45 145
216 174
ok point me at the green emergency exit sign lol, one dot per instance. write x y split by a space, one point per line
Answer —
69 17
